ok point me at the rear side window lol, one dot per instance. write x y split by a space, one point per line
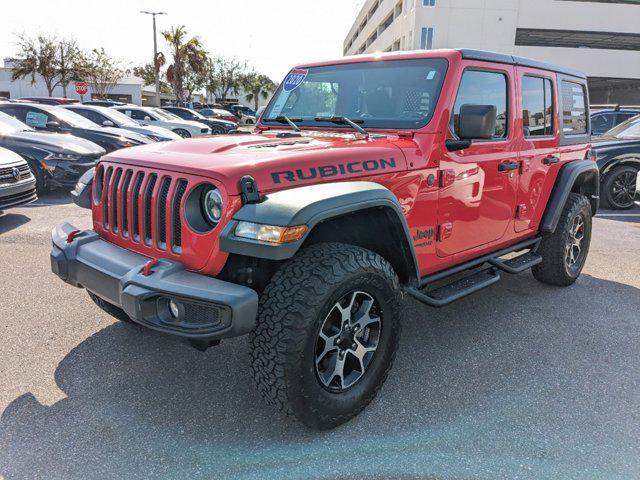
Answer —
537 106
574 108
483 88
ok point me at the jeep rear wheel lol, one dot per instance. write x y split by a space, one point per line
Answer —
564 251
327 332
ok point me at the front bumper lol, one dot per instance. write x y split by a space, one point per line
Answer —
18 193
62 173
210 309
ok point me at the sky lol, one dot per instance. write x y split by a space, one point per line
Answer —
271 35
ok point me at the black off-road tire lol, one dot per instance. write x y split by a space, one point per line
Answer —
553 269
112 310
292 310
626 172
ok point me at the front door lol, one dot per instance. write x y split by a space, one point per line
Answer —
476 202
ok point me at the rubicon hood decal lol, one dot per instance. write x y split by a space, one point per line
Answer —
326 171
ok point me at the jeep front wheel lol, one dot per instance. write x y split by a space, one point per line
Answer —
327 332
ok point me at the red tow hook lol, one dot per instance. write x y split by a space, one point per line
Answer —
146 271
73 234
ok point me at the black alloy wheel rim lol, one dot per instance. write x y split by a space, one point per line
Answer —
623 188
347 341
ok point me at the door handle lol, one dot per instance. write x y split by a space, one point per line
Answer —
549 160
505 167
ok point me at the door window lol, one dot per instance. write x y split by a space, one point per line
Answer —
95 117
537 106
479 87
138 114
574 108
36 119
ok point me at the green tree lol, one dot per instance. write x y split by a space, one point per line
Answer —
189 62
102 72
146 73
225 76
57 61
257 86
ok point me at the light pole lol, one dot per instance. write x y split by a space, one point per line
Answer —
156 67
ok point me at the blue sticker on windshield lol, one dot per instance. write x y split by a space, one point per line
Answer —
294 79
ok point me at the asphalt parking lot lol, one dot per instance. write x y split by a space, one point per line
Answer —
519 381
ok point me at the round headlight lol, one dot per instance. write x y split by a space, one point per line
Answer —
212 205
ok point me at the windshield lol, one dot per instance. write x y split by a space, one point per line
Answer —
72 118
165 115
119 118
627 129
386 94
9 124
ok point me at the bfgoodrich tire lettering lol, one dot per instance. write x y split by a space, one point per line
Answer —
293 309
564 251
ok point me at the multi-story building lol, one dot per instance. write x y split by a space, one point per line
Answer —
598 37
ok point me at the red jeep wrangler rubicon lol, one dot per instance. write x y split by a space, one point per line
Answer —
367 179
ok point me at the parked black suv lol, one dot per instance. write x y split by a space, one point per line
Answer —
606 119
59 120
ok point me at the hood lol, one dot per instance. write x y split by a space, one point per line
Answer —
275 163
56 142
157 131
121 132
7 157
606 143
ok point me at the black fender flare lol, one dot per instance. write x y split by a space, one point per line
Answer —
309 205
584 171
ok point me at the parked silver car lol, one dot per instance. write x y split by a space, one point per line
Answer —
17 183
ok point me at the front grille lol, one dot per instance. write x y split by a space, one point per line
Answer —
141 207
7 177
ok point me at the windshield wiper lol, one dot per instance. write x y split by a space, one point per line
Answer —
285 119
344 121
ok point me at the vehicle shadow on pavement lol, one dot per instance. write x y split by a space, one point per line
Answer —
507 383
52 197
10 221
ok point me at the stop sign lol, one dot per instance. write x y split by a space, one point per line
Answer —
81 88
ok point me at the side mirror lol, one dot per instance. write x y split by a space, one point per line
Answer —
81 194
476 122
54 126
147 118
108 123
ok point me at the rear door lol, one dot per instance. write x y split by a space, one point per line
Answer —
539 151
476 201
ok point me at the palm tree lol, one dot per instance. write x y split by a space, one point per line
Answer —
257 85
189 66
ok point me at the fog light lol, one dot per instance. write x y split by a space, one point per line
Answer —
174 308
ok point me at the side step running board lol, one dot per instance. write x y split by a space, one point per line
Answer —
481 278
517 264
460 288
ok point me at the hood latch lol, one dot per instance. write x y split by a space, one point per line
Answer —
249 190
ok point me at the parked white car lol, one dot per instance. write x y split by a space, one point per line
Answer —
109 117
161 118
247 119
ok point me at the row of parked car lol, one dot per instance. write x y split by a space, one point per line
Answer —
51 142
57 140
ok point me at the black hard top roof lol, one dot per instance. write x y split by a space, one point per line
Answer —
488 56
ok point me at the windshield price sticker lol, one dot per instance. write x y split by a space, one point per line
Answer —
294 79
